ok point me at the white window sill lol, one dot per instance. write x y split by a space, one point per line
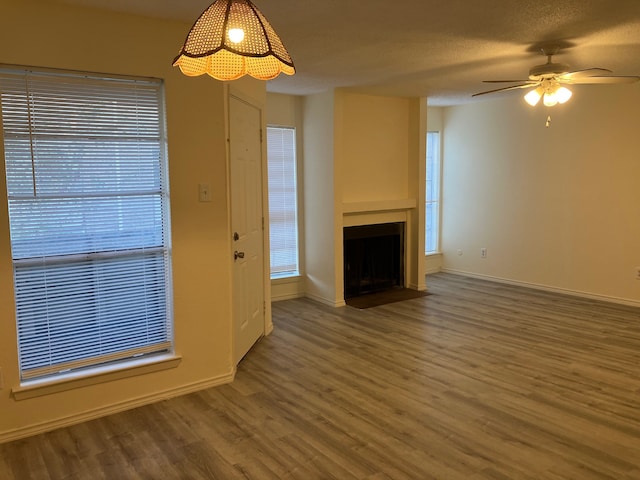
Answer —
284 280
93 376
433 254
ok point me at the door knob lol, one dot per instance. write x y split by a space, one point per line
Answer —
237 255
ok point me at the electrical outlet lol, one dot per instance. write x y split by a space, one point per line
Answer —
483 252
459 251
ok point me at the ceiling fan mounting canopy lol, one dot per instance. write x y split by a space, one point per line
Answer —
549 69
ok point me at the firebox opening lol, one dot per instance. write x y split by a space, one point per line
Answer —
373 258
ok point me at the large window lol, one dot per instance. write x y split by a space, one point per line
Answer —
89 222
283 209
432 197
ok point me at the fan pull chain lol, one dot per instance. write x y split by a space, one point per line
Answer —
548 122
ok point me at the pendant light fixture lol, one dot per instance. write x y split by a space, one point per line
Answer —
230 39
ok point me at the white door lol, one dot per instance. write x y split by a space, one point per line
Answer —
245 151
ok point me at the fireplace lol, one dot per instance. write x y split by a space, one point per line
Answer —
373 258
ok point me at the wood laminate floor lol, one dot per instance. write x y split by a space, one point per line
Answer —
476 381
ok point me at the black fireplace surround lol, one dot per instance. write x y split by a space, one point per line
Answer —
373 258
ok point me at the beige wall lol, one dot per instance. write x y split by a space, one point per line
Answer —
284 110
71 38
556 207
375 150
320 198
435 119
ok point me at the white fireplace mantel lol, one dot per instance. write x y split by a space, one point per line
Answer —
383 211
352 208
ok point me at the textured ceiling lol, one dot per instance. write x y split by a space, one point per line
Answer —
440 49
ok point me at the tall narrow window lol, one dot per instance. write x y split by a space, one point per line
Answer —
89 218
432 197
283 209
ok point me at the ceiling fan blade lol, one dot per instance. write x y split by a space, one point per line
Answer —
509 81
587 72
602 80
504 89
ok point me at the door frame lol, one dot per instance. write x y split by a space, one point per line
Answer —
234 89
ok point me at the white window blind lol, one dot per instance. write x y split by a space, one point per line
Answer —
283 209
432 203
88 210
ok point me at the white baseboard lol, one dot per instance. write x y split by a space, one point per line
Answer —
289 296
547 288
326 301
268 329
419 287
36 429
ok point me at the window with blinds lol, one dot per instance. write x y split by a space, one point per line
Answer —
283 209
89 218
432 195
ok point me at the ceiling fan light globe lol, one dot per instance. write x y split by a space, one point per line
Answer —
550 99
533 97
563 94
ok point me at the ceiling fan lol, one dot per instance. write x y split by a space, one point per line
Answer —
548 81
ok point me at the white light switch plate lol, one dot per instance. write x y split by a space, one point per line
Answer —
204 192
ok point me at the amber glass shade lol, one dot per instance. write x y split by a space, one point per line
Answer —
230 39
